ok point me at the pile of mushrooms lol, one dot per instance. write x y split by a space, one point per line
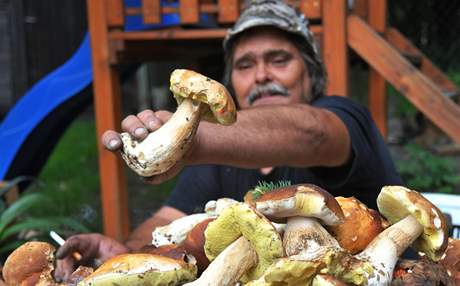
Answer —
293 235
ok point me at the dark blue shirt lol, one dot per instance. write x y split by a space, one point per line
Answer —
369 168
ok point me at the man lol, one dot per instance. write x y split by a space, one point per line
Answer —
286 130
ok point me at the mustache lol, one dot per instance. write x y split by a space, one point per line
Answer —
270 88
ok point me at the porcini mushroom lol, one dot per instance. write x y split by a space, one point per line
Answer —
302 205
240 220
141 269
420 272
198 97
359 227
415 221
396 202
451 260
177 231
30 264
194 244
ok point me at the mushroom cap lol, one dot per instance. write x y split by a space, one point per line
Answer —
397 202
241 220
189 84
141 269
360 226
194 244
451 260
289 271
420 272
28 262
299 200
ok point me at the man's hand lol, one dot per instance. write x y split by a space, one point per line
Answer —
91 246
139 127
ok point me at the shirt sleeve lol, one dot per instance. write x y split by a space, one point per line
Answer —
195 187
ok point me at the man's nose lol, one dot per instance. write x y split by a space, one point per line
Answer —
262 73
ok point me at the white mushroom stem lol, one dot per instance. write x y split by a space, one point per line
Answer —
306 238
383 252
177 231
164 147
229 265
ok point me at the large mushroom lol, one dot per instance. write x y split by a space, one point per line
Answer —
240 241
420 272
139 269
360 226
30 264
198 97
304 206
416 222
451 260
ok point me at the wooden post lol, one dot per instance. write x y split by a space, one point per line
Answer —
335 52
377 85
107 107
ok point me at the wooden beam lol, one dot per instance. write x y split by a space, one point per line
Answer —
229 10
107 107
180 34
311 8
151 11
335 52
377 85
427 66
115 15
419 89
189 11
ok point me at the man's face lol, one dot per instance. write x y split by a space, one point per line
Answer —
267 68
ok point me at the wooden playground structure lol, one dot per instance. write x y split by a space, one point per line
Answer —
337 27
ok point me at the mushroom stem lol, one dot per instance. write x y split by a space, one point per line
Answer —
229 265
306 237
383 252
164 147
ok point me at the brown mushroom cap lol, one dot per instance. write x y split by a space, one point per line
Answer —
396 203
25 264
360 226
451 260
420 272
194 244
190 84
299 200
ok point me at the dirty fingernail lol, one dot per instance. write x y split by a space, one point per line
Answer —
140 131
113 144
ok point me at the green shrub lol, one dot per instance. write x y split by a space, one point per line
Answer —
426 172
18 224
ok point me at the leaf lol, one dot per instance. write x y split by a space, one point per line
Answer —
265 187
19 207
6 248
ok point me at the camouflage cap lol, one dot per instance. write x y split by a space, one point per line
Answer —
275 13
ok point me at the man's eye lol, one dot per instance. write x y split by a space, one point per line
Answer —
243 66
280 61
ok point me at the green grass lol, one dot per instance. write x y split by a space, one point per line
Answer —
70 177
